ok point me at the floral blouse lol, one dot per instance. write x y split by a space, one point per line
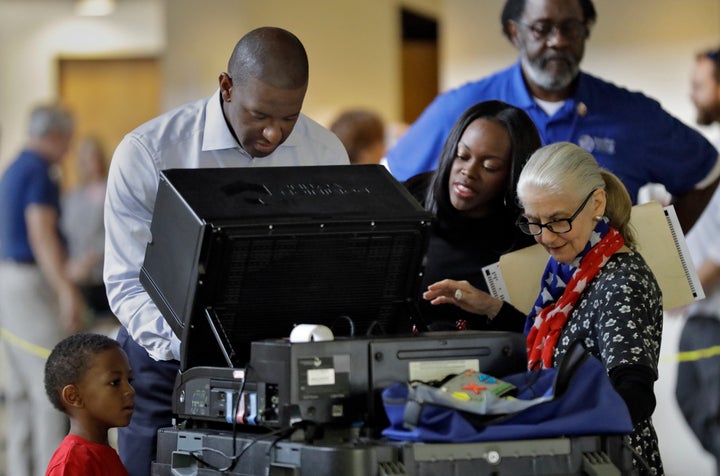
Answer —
619 317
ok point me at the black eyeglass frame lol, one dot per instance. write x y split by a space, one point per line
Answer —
524 225
541 32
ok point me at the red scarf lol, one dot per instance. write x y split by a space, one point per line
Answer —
545 332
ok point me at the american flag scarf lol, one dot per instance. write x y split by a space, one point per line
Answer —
557 299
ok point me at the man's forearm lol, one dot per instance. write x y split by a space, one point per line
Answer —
46 246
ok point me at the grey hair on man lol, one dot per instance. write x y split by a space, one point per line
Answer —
49 118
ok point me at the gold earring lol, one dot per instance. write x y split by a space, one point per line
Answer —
598 217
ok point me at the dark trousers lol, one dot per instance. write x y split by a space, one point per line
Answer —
153 382
698 382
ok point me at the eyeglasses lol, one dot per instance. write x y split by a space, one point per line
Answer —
569 29
712 54
556 226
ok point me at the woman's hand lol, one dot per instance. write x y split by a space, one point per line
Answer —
464 295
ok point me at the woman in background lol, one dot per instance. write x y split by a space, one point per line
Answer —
82 225
362 132
472 195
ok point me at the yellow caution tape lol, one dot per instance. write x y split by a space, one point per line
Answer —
691 355
29 347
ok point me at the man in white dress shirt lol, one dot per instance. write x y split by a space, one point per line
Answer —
252 120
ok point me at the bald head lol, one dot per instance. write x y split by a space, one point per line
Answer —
272 55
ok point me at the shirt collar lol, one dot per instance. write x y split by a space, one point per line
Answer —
523 98
217 134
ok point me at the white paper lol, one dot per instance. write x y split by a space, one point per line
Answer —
311 333
495 282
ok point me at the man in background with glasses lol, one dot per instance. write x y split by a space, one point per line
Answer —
698 376
627 133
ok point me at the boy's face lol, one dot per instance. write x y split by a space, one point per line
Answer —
108 396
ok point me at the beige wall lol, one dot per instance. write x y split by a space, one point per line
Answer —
353 47
34 33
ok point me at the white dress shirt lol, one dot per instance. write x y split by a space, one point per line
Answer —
192 136
702 241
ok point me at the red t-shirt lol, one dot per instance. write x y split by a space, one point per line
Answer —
77 456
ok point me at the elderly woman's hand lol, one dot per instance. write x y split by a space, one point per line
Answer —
464 295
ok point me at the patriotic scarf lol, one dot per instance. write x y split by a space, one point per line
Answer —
562 285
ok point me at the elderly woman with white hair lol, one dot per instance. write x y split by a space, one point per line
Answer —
595 287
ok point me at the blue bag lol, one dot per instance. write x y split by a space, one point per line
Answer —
577 398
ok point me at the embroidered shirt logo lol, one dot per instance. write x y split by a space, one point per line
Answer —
603 145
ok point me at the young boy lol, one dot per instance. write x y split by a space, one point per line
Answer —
88 377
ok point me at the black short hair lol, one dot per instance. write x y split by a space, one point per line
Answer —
69 361
273 55
514 9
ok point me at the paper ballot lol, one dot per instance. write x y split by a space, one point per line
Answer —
660 240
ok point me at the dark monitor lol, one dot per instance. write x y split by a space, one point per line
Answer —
242 254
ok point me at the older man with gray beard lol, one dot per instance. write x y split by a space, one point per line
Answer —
627 132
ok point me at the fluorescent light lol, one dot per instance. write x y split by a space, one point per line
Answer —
94 8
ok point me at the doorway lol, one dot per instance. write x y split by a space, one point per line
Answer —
110 97
420 70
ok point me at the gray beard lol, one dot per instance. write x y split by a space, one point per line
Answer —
539 76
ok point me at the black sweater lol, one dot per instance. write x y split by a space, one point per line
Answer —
459 248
